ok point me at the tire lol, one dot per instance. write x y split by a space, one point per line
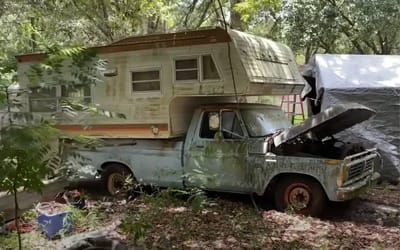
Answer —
113 178
302 195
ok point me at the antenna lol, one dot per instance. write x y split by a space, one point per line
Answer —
229 52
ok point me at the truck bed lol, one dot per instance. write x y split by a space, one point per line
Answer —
152 161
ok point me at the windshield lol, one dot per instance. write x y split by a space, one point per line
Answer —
262 122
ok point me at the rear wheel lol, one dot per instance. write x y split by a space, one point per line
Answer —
303 195
114 177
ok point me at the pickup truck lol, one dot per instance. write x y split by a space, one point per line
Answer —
250 149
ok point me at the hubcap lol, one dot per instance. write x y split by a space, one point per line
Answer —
115 183
299 197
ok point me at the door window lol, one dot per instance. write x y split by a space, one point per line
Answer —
231 128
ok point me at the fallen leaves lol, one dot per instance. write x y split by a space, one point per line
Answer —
167 222
237 225
319 234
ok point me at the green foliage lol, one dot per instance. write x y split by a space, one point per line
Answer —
335 26
28 142
85 219
10 241
309 26
136 227
189 14
70 67
25 155
261 17
250 7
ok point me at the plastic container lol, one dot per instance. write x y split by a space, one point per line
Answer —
53 219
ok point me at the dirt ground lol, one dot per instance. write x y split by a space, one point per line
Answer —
233 222
180 220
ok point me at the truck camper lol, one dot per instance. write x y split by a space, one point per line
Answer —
186 125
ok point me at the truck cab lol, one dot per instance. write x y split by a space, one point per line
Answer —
250 149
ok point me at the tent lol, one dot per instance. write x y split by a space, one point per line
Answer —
370 80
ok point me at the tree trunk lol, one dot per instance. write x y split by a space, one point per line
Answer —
236 21
33 35
16 215
152 23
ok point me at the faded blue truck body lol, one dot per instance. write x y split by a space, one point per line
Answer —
241 164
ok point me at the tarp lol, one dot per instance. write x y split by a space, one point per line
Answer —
371 80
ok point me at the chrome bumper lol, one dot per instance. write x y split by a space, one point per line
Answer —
355 189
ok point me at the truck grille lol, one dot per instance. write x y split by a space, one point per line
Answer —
360 168
360 163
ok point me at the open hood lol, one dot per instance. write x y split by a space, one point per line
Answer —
329 122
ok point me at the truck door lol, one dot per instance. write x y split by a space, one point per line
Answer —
217 160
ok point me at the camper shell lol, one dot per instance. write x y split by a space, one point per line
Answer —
157 80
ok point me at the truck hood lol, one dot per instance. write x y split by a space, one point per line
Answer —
328 122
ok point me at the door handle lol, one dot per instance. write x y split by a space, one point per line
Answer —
269 157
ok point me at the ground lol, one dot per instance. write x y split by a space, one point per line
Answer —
193 220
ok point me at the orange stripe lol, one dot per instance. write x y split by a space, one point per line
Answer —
113 128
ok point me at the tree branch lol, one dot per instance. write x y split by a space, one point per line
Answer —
353 41
203 15
93 20
190 11
333 3
372 46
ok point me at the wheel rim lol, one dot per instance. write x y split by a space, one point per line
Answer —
115 182
298 196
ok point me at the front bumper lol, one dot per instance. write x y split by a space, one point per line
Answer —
355 189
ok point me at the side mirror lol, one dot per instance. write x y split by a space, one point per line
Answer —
213 121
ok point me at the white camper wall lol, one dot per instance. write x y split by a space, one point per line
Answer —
152 106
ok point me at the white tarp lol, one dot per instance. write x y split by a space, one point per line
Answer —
371 80
353 71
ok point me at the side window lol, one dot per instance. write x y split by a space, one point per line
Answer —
205 131
43 99
210 71
231 128
80 93
47 99
186 69
145 81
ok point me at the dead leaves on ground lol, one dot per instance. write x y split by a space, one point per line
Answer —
237 225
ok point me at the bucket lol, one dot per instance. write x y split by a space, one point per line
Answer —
53 219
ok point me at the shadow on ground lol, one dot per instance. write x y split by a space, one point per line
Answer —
360 210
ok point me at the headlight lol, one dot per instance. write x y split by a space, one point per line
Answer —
343 175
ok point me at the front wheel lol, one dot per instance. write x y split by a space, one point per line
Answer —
114 177
301 194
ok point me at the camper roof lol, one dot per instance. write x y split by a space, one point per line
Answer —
258 47
152 41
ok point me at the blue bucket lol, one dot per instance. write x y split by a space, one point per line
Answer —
53 219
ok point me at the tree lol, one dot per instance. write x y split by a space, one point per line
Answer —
261 17
193 14
28 152
335 26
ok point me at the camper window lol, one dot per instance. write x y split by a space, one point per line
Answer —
210 71
78 93
43 99
145 80
186 69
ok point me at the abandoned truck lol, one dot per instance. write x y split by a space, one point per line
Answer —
249 148
186 128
